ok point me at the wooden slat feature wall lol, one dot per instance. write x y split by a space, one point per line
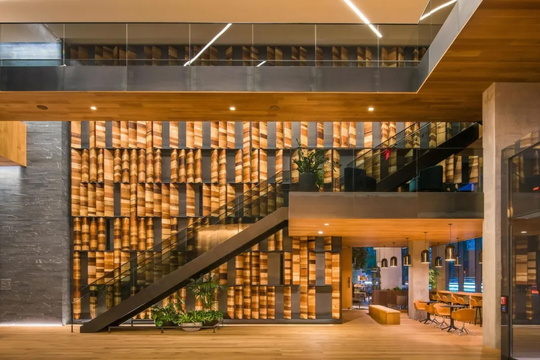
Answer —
161 183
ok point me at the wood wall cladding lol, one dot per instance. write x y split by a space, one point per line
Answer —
135 184
246 55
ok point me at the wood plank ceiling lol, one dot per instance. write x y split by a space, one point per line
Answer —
499 44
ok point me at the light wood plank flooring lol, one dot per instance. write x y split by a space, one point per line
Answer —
358 338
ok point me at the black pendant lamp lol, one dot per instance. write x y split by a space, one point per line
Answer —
450 250
407 258
384 263
438 262
424 255
393 259
480 257
458 261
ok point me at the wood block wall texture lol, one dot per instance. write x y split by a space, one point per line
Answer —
135 184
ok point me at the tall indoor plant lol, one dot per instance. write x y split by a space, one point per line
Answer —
310 167
206 289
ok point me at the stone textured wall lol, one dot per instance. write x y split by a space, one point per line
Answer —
34 230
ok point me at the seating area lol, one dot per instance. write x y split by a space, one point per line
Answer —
445 308
384 315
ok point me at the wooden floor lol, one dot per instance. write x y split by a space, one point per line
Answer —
358 338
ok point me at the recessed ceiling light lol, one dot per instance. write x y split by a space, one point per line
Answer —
232 108
273 107
371 108
320 231
93 108
326 224
42 107
524 232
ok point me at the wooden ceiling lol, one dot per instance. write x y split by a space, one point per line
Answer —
501 43
388 232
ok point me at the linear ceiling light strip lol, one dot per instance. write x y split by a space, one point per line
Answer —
437 9
208 45
363 17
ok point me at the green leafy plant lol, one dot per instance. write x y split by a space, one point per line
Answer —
433 276
311 162
168 314
205 288
193 316
360 257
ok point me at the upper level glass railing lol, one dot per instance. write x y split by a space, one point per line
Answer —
180 44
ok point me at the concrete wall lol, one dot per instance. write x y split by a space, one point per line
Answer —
391 276
34 230
510 111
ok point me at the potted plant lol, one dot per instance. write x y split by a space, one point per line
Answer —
206 289
310 166
167 315
192 320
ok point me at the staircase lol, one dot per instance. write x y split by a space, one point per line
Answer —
398 159
198 249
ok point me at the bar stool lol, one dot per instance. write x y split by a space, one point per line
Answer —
460 300
476 304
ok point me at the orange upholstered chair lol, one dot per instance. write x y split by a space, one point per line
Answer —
465 316
443 312
419 307
430 309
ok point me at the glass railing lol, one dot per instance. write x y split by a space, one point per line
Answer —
205 233
419 149
211 44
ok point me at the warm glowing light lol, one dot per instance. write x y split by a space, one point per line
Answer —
232 108
371 108
208 45
363 17
320 232
326 224
30 324
524 232
437 9
93 108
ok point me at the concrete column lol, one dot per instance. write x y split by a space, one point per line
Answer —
510 111
391 276
418 277
346 278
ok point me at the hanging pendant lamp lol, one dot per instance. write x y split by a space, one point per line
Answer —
393 259
407 258
458 257
424 255
438 262
450 250
384 263
480 257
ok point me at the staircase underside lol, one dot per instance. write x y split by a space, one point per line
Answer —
181 277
